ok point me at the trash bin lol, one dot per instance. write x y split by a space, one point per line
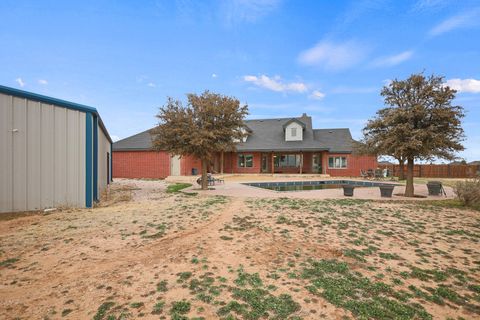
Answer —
386 191
348 190
434 188
194 171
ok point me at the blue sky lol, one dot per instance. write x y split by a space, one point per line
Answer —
326 58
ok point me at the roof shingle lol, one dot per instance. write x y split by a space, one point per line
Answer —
268 135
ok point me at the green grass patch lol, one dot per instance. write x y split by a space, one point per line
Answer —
8 262
366 299
177 187
103 309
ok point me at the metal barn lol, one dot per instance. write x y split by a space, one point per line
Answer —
53 153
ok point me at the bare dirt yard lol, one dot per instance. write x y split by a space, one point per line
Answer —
146 253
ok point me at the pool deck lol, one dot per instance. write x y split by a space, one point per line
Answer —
234 186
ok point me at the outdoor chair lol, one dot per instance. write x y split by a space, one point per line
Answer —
370 174
378 174
363 174
211 180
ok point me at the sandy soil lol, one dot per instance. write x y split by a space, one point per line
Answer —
143 252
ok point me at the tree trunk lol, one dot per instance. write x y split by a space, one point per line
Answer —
401 166
409 190
204 174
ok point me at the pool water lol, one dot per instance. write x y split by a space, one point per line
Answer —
314 185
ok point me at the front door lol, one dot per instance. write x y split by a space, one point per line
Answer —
175 166
264 162
317 163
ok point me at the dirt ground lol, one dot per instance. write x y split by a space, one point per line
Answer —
145 253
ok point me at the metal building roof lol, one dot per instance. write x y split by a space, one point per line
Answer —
54 101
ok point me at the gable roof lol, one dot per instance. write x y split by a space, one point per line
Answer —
285 125
267 135
139 141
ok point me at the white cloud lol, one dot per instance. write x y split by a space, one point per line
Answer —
151 85
425 5
317 95
275 84
333 56
20 82
214 75
393 60
462 20
43 82
464 85
235 11
114 138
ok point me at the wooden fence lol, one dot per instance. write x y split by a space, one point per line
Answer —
436 170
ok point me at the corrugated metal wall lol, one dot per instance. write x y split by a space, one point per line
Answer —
103 166
42 159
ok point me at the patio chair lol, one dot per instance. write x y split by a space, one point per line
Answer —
370 174
211 180
378 174
363 174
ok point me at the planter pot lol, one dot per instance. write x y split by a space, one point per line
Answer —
348 190
434 188
386 191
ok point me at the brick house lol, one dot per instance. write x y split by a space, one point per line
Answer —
285 145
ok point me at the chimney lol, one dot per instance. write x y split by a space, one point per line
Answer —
304 115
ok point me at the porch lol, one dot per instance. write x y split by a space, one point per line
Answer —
311 162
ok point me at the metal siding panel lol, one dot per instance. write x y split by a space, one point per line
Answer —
60 156
103 148
34 189
81 159
6 148
72 158
20 154
47 159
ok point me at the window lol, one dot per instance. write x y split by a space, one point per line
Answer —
337 162
287 160
294 132
245 161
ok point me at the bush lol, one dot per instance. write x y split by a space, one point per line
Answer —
468 192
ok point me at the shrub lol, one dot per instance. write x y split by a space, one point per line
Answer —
468 192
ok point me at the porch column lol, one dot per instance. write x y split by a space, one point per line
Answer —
273 164
301 162
221 162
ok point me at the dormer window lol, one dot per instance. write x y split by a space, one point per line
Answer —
293 130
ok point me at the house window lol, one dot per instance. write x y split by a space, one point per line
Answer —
245 161
337 162
287 160
294 132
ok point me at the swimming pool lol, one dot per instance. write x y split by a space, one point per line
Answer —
314 185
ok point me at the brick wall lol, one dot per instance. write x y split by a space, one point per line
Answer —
354 165
152 164
140 164
189 162
231 163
